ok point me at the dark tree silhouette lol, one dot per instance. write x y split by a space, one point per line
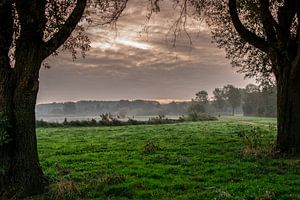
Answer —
202 97
30 31
218 98
262 37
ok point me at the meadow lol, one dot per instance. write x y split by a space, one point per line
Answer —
232 158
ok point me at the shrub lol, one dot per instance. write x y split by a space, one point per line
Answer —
196 116
133 122
108 119
160 119
150 147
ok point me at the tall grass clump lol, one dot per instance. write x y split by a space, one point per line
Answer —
257 140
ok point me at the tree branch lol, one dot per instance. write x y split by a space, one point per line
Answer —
245 34
286 15
66 30
267 21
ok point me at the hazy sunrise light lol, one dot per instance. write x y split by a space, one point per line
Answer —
132 61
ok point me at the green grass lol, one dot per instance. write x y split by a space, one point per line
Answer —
204 160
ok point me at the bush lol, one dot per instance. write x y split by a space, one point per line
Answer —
196 116
108 119
150 147
133 122
160 119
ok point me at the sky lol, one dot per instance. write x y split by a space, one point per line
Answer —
134 62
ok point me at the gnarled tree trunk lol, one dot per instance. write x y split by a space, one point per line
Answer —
21 175
20 171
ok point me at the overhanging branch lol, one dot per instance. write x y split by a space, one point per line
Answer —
269 23
66 30
245 34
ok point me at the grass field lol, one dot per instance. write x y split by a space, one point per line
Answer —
225 159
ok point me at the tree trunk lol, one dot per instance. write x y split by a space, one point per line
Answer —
21 175
288 97
232 111
6 133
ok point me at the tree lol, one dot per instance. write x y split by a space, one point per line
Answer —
202 97
251 99
259 101
262 37
233 96
196 107
219 98
269 101
200 103
30 31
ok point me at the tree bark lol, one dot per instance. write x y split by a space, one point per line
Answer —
21 175
20 171
6 115
288 101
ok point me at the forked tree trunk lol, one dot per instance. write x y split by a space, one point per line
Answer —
21 175
288 137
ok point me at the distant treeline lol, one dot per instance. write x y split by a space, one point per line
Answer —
122 108
229 100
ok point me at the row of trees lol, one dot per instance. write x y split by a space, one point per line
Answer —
121 108
251 101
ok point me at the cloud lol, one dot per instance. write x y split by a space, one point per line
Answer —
131 63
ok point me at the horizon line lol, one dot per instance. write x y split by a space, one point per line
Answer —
161 101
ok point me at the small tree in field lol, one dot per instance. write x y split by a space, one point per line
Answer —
202 97
218 98
200 103
233 96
